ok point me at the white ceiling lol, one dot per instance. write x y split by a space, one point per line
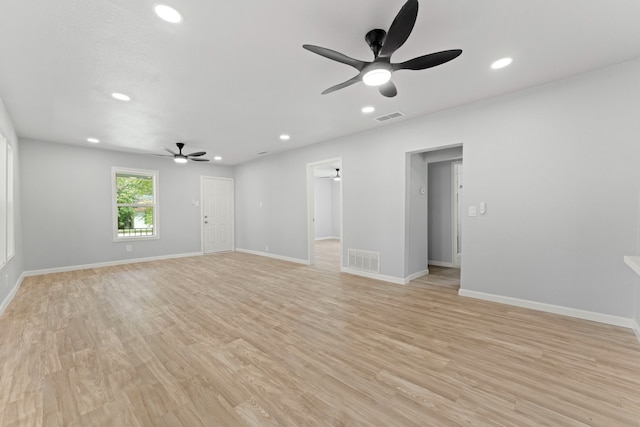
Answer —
233 76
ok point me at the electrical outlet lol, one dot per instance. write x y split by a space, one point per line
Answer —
129 248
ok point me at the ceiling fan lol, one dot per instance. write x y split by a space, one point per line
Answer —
337 176
384 44
182 158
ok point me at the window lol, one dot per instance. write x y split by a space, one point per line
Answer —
135 204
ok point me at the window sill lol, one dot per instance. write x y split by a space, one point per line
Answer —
134 239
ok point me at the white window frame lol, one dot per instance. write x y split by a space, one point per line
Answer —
156 217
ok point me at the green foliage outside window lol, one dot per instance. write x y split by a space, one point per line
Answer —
135 192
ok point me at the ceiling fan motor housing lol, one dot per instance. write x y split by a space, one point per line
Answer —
375 40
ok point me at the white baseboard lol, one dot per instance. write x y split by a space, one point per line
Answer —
327 238
375 276
636 329
417 275
384 278
12 293
442 264
275 256
107 264
549 308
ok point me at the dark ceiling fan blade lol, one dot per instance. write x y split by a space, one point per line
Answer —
388 89
428 61
197 154
336 56
200 160
170 151
400 28
342 85
160 155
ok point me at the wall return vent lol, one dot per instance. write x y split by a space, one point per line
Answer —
364 260
389 116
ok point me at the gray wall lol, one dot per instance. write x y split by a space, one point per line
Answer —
12 271
67 204
556 165
327 208
637 279
439 212
335 208
323 208
416 215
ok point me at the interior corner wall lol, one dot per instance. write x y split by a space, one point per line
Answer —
14 268
555 164
67 205
439 212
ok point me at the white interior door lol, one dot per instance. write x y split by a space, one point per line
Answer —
217 212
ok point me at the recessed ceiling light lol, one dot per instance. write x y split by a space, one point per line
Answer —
93 140
217 158
285 137
121 96
167 13
501 63
367 110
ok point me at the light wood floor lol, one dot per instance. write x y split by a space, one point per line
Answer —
240 340
327 256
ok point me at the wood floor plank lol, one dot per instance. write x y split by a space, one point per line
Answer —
238 340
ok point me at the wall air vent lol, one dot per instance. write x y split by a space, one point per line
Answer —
389 116
364 260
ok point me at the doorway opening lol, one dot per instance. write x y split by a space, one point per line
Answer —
444 222
435 203
324 214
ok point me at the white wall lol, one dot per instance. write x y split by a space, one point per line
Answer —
67 203
439 212
323 208
416 216
637 305
12 271
556 165
335 208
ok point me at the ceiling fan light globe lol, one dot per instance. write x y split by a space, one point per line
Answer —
180 159
376 77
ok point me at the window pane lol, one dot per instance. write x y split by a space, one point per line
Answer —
135 221
134 189
135 206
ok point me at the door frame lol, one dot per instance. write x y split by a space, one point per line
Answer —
456 260
311 195
233 210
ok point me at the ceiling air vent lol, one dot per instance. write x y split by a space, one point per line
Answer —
390 116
